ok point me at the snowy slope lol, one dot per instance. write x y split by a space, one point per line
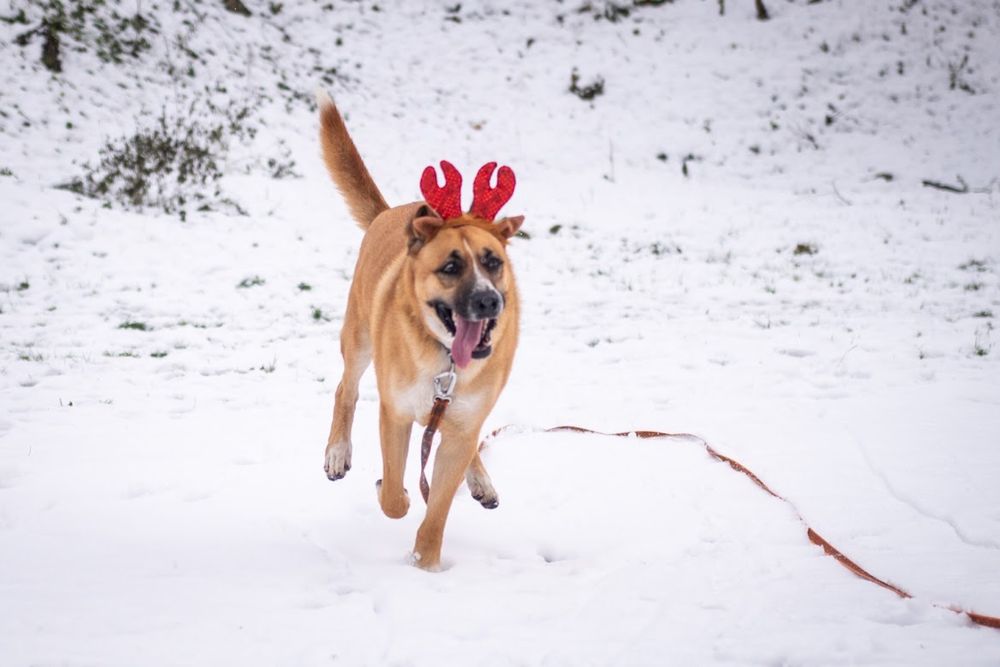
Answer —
162 499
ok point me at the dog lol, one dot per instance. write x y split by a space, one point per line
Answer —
433 291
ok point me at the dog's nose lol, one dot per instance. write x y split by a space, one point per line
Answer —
485 304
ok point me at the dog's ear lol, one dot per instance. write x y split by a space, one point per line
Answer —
509 226
422 228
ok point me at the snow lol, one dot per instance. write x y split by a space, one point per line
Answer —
162 499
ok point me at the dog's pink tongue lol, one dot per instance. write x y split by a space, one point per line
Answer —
467 337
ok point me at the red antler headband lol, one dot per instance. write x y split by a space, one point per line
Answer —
486 200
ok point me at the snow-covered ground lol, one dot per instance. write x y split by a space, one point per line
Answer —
799 299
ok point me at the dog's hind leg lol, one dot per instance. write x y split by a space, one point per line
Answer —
480 484
355 346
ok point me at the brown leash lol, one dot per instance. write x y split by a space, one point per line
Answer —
444 388
437 412
814 537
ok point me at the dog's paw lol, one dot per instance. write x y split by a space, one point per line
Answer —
393 507
482 490
489 502
338 461
416 560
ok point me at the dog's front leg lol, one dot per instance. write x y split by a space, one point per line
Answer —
454 454
395 435
355 346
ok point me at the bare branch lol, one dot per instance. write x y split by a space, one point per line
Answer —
960 189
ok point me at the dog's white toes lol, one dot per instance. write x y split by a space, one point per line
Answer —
482 491
338 461
490 502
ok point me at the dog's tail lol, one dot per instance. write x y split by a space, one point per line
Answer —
346 166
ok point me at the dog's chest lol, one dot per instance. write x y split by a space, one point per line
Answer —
416 400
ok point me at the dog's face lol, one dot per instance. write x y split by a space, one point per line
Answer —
461 278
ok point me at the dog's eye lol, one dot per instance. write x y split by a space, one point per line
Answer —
492 263
452 268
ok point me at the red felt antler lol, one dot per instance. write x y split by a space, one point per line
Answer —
486 201
447 200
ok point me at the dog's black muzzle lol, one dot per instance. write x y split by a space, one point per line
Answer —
483 304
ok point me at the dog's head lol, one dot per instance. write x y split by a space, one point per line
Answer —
462 278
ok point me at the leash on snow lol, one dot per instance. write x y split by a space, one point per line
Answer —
814 537
444 388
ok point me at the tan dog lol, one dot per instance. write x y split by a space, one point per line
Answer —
430 281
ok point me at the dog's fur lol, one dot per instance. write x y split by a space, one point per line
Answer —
393 318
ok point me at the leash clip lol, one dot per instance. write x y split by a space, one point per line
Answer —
444 384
